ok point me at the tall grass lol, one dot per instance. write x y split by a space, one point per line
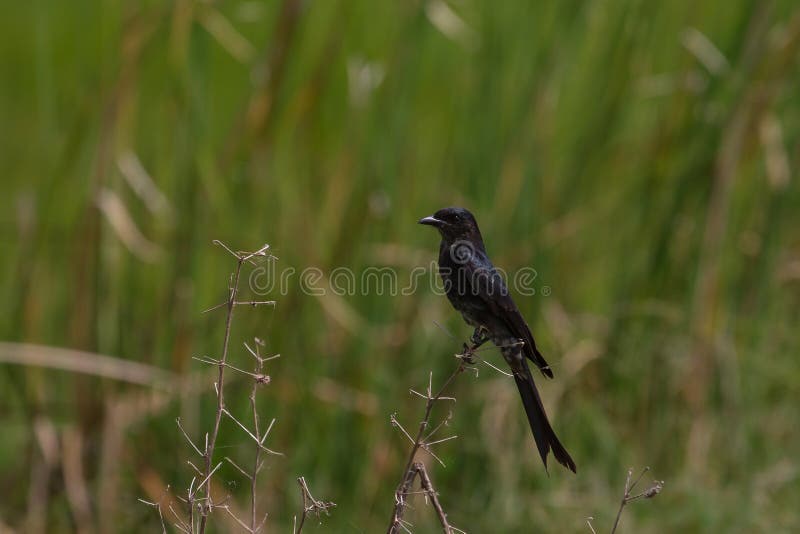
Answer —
640 156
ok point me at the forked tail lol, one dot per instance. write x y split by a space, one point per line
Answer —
543 434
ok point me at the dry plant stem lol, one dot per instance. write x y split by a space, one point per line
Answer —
211 440
409 473
310 504
220 387
427 485
625 496
157 506
302 482
649 493
257 461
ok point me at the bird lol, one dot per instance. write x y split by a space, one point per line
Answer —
476 290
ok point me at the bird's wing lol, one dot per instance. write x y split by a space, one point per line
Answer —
487 283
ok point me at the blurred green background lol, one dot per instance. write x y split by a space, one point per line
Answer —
639 155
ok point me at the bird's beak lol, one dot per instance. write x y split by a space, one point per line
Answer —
430 221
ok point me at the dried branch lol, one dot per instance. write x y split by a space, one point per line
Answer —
197 450
649 493
202 492
421 442
198 497
310 505
427 485
257 463
157 506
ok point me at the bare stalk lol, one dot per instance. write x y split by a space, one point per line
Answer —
649 493
260 379
310 505
421 441
257 460
427 486
157 506
222 363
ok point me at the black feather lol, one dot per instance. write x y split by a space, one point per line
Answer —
543 434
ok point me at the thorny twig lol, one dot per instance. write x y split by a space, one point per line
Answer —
257 463
649 493
157 506
310 505
198 497
233 292
421 441
430 492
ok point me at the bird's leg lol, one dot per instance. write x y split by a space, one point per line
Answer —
479 337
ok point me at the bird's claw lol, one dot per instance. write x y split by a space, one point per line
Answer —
468 355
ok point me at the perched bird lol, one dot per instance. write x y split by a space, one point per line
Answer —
478 292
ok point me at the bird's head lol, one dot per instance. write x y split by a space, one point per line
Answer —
454 224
